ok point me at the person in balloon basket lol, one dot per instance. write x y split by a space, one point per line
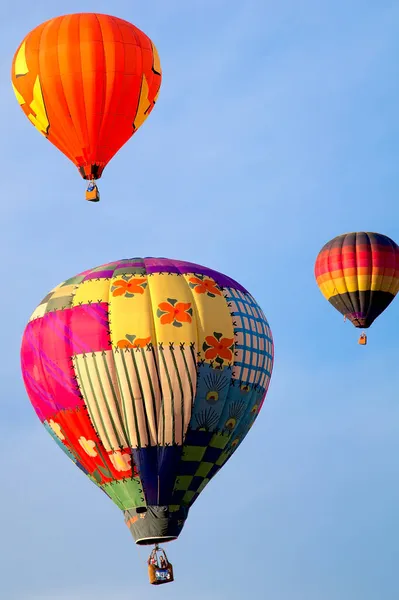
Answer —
162 563
153 560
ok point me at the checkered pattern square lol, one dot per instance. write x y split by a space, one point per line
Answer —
203 455
59 298
75 280
253 340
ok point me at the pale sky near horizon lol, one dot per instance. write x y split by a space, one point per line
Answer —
276 129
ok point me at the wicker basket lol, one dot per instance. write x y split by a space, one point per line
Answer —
92 194
159 570
158 576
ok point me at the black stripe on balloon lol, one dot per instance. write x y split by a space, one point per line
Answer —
365 306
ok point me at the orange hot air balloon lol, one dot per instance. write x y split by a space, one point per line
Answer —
87 82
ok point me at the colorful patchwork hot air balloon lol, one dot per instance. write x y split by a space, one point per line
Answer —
148 373
87 82
358 273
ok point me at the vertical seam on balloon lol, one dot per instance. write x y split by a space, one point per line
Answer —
269 355
353 296
196 363
137 373
327 249
253 393
172 399
192 391
132 398
342 241
81 138
391 286
49 390
384 277
57 139
327 273
152 390
172 352
156 351
388 278
84 133
108 98
106 402
138 42
175 474
260 360
395 282
345 305
78 141
156 367
101 419
197 320
80 457
370 269
268 365
115 397
356 248
105 89
119 384
123 399
120 95
155 348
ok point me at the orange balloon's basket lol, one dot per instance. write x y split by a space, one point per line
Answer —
160 570
363 339
92 193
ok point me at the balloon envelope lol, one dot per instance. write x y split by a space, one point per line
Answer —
358 273
87 82
148 373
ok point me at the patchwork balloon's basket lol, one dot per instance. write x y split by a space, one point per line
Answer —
158 576
160 570
363 339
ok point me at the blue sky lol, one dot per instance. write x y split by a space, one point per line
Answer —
276 129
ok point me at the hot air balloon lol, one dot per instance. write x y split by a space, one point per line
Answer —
87 82
148 373
358 273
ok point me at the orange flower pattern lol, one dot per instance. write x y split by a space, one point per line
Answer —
131 341
128 286
218 348
205 285
174 313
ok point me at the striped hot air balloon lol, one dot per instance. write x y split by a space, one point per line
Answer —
358 273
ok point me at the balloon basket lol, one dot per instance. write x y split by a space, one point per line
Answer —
160 570
92 193
363 339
